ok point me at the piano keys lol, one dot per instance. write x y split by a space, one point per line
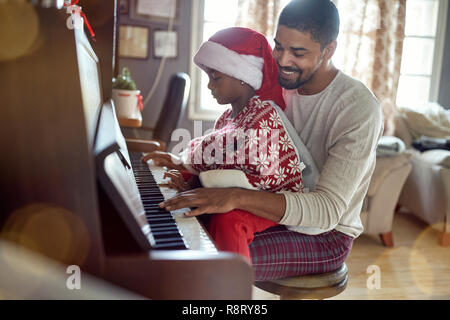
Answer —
188 229
162 223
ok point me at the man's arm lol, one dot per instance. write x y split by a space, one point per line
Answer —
350 161
265 204
269 205
351 155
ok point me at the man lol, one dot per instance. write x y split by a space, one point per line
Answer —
340 122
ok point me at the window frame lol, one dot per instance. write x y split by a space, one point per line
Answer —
438 56
195 110
439 46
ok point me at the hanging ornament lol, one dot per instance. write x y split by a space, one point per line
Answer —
76 12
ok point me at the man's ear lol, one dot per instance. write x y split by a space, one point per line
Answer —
329 50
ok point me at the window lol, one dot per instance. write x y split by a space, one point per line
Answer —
422 52
214 15
208 17
421 61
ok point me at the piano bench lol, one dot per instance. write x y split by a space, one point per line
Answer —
315 286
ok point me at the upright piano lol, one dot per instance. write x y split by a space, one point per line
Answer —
71 189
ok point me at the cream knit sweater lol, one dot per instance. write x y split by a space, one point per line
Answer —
340 127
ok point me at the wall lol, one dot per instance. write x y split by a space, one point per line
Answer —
144 71
444 90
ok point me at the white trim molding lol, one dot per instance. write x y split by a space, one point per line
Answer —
194 112
439 50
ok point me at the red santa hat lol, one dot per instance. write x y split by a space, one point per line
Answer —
246 55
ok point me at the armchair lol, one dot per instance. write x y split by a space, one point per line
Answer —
426 193
385 186
171 113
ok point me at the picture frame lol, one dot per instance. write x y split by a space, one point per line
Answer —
124 6
165 44
133 41
159 11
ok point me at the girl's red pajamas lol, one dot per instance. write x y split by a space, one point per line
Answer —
252 150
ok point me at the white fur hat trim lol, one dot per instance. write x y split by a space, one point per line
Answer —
247 68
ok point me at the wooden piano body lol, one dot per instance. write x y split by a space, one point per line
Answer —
52 104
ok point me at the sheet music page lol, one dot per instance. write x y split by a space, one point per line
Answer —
159 8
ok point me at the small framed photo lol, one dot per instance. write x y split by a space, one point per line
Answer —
133 42
165 44
124 6
159 11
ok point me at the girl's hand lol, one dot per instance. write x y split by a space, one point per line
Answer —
164 159
176 180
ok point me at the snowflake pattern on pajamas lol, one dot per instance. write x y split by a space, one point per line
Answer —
255 142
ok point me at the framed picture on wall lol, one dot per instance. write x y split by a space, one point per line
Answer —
123 6
165 44
133 42
162 11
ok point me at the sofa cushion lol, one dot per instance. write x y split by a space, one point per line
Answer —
430 120
438 157
383 167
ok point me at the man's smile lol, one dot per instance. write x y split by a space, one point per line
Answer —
289 73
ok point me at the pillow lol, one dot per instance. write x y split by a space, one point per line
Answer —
390 146
438 157
430 120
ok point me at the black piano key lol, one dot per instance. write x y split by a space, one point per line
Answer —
168 234
171 246
173 234
156 225
166 214
160 220
150 202
151 192
153 206
154 211
174 237
162 234
169 240
155 197
164 229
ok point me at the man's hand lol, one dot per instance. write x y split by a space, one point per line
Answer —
267 205
204 200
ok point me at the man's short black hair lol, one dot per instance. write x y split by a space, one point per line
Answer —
318 17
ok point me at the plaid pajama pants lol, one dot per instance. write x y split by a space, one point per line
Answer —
279 253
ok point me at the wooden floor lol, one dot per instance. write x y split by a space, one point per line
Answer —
415 268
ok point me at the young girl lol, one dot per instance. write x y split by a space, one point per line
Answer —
250 146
